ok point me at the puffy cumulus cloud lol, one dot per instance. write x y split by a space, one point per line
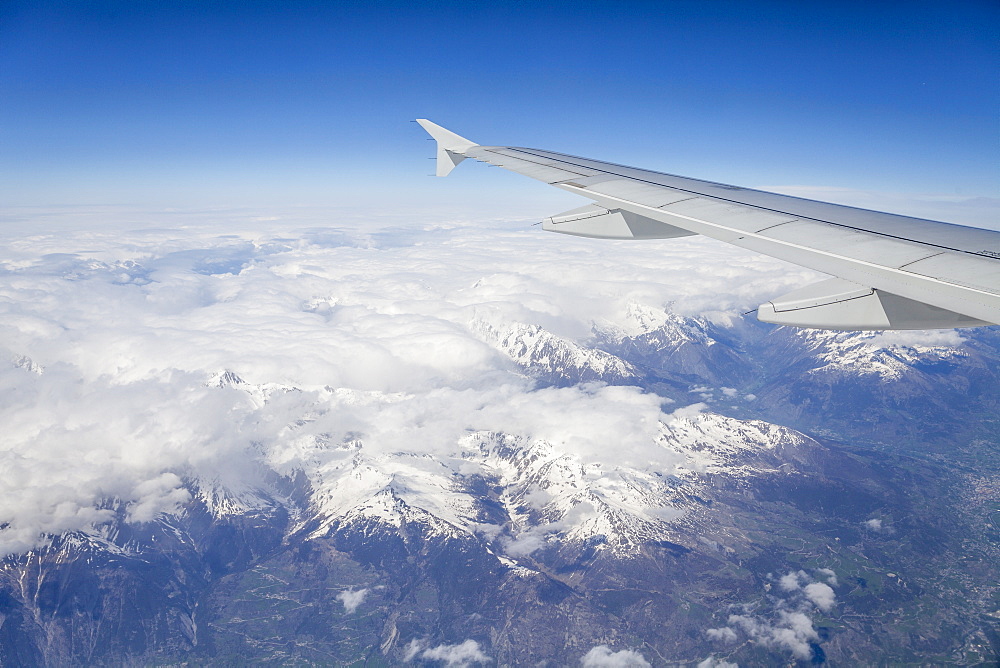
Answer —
536 497
821 595
162 494
688 412
584 417
525 543
828 573
712 662
932 338
352 598
603 656
875 524
466 653
792 631
723 634
792 581
534 538
789 626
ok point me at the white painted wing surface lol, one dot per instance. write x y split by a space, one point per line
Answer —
892 272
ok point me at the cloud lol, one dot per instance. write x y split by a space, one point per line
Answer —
712 662
665 513
919 339
688 412
413 649
533 538
793 580
465 653
537 498
874 524
792 631
789 626
602 656
111 330
162 494
820 594
489 531
524 544
351 599
831 577
70 444
723 634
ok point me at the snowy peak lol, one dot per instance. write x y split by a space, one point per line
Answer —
885 355
260 393
716 444
226 378
552 497
681 350
657 326
518 495
546 355
28 364
226 500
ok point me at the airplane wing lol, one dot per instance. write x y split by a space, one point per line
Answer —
891 272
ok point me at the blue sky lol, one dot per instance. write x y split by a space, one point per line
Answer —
183 104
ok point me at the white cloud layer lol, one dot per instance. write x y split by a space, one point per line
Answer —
112 326
111 330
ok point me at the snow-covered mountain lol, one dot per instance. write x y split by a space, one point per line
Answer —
360 547
678 350
546 493
549 357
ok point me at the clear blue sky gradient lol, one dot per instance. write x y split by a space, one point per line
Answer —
188 104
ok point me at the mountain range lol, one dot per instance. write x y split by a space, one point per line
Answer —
806 497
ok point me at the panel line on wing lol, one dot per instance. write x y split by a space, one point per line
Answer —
550 172
992 305
903 266
881 233
793 220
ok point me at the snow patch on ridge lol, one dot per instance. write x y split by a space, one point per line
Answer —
886 355
541 353
549 493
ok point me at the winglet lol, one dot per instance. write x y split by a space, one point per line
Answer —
450 147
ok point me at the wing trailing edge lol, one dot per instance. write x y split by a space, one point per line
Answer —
597 222
839 304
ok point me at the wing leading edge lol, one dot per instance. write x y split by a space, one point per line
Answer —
892 272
